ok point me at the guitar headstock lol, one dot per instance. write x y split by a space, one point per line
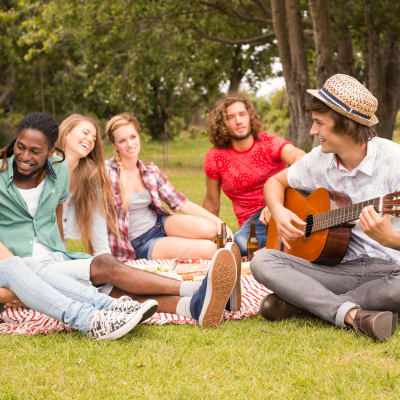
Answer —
391 204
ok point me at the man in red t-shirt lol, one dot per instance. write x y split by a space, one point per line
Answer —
241 161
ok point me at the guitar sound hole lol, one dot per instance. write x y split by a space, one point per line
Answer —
310 223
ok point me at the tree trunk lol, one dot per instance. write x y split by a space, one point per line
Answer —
382 56
345 58
286 20
342 22
42 96
236 73
324 50
6 95
158 119
165 145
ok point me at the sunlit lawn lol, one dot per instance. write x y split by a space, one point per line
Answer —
249 359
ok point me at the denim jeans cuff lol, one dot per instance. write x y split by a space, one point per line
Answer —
85 329
342 311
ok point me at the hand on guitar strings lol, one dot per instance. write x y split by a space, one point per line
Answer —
265 216
286 229
379 228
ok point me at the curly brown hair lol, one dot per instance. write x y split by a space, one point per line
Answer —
218 132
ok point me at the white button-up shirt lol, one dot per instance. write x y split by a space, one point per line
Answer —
377 175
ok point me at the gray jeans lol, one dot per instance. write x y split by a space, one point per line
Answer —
330 292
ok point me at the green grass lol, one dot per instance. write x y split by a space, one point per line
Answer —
248 359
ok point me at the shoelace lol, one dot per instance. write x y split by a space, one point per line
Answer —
134 307
125 304
359 317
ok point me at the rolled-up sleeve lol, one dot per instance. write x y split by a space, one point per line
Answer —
173 197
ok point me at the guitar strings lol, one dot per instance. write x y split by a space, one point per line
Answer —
339 216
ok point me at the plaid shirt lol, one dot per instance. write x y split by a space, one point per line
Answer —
160 190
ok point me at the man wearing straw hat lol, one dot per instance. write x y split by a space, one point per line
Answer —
362 292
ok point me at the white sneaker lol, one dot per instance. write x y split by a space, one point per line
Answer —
111 325
126 305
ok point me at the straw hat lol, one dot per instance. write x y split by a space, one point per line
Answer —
348 97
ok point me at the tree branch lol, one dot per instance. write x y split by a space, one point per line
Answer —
261 4
235 14
250 40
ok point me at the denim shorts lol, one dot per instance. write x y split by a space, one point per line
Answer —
144 244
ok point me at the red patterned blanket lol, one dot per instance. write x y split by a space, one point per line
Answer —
24 321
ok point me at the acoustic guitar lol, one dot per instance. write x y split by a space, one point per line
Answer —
328 216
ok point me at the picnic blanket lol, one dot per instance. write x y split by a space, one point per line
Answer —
24 321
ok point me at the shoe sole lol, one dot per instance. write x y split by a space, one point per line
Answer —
382 326
236 296
148 308
221 279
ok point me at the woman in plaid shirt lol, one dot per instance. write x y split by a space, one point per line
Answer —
146 228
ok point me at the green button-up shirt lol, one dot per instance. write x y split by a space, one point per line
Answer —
18 227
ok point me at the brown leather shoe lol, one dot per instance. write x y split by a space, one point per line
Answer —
376 324
272 307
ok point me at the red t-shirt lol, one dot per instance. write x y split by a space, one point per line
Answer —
243 173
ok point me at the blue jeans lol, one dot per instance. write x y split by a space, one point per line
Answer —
144 244
41 288
242 234
78 269
330 291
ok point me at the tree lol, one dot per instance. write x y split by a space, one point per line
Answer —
168 59
381 50
289 33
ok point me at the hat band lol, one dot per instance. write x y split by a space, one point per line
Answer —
330 98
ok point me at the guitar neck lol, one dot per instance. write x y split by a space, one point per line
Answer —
339 216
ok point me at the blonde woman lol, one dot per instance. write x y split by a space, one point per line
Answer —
146 228
90 209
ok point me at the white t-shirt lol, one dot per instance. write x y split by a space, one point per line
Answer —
32 198
141 216
378 174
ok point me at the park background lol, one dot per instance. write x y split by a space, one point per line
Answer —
167 61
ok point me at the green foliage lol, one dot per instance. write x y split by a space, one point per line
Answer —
152 58
105 58
274 112
248 359
8 127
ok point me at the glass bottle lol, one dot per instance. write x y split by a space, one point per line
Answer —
252 243
220 242
223 229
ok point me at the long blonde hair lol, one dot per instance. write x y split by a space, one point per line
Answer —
90 186
112 125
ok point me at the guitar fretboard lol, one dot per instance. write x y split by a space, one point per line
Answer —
339 216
